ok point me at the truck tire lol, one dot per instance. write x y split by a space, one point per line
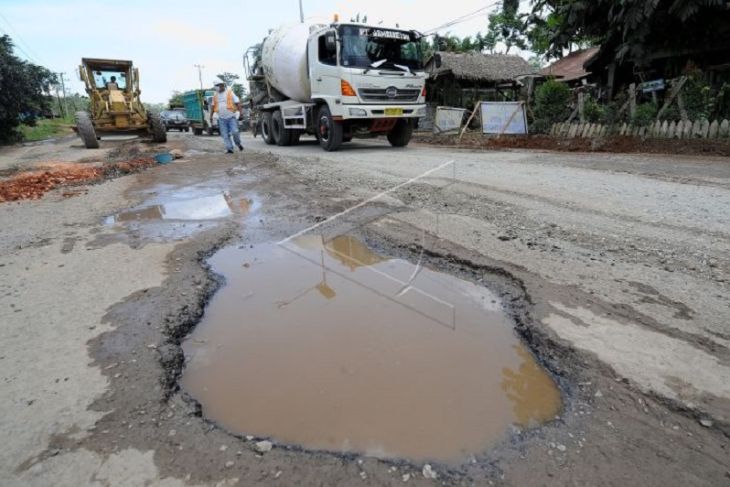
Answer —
329 131
295 134
282 136
86 130
197 131
401 134
157 127
266 129
208 129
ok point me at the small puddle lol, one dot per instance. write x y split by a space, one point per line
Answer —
327 345
187 205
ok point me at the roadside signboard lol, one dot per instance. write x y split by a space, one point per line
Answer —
651 86
504 118
448 119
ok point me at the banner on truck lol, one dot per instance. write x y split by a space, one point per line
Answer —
507 117
448 119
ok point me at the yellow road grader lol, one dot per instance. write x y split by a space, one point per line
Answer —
114 103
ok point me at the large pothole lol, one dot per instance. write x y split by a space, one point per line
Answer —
326 345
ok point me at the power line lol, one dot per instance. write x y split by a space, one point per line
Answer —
35 56
18 47
463 18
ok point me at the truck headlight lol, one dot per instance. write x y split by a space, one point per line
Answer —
358 112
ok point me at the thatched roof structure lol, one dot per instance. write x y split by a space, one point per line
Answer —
474 66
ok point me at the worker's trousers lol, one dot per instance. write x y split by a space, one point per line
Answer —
229 128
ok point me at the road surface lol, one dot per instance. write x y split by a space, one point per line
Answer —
616 268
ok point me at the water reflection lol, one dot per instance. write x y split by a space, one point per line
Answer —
533 400
175 207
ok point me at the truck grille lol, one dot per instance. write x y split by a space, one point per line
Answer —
379 95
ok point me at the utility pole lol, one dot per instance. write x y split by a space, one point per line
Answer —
200 74
301 12
63 87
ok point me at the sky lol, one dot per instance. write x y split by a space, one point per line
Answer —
165 39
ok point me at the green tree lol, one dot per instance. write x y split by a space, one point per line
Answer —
228 78
176 100
505 27
239 90
24 90
632 29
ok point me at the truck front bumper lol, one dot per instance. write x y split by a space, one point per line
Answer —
369 112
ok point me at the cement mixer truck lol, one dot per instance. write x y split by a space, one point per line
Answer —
336 82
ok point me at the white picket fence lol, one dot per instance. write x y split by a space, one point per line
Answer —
699 129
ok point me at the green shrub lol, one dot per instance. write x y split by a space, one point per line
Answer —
551 102
551 106
697 97
593 111
540 126
645 114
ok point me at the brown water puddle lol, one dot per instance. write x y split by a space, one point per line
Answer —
329 346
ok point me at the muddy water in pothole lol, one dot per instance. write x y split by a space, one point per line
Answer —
327 345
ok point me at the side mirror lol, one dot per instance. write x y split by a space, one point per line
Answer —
330 42
437 60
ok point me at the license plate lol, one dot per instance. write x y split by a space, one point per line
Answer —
394 112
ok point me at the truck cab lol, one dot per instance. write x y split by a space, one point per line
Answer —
371 80
367 72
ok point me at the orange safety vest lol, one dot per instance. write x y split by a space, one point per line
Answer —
229 102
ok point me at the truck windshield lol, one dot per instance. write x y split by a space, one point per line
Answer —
386 49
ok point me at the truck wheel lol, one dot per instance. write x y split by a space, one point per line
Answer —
266 129
282 136
329 131
401 133
86 130
197 131
208 128
157 127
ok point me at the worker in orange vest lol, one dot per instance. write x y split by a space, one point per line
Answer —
226 104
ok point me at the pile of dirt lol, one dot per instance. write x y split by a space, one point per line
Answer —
34 184
618 144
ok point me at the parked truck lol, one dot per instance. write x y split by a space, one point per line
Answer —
336 82
199 112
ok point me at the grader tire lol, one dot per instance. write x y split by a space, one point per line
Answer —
158 129
86 130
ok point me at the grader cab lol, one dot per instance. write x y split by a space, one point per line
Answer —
114 103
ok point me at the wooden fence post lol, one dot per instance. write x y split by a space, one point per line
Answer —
632 100
581 106
677 86
471 117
